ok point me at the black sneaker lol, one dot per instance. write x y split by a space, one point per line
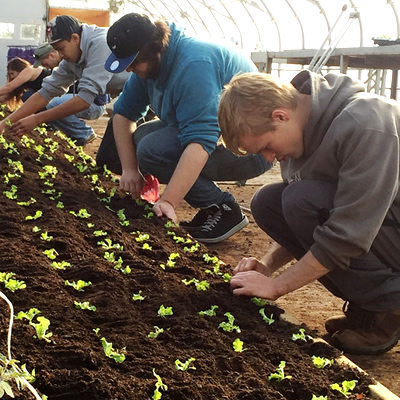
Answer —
221 224
198 220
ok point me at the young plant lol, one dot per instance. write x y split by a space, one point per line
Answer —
84 305
164 311
315 397
269 320
138 296
301 336
82 213
62 265
229 326
210 313
36 216
159 385
156 332
238 345
80 285
345 388
259 302
108 244
322 362
41 329
200 285
279 375
51 253
117 356
46 237
184 366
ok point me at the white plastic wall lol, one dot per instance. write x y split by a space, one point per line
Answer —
28 26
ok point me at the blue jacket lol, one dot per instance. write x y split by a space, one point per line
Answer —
186 92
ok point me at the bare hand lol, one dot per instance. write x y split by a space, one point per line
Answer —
132 182
251 264
254 284
24 125
164 208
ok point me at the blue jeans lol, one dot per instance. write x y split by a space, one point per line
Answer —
73 126
290 214
158 150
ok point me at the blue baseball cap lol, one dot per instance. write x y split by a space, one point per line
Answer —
126 38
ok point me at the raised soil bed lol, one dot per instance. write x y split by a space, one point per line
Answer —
66 201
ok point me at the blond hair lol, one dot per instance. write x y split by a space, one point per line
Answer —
246 105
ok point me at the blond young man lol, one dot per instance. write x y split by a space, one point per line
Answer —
337 211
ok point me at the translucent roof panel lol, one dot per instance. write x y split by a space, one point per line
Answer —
275 25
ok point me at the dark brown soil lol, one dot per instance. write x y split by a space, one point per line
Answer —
72 363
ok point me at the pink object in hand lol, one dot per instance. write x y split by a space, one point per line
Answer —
151 189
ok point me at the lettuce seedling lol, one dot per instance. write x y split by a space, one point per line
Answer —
164 311
51 253
269 320
100 233
259 302
84 305
301 336
322 362
62 265
138 296
82 213
79 285
159 385
315 397
200 285
210 313
345 388
279 375
41 329
229 326
108 244
27 203
46 237
142 237
37 215
184 366
14 285
28 315
117 356
156 332
146 246
238 345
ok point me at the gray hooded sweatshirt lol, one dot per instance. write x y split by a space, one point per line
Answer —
93 78
351 139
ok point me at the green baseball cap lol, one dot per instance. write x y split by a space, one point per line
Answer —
41 52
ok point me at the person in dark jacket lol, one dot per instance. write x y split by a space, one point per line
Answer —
337 211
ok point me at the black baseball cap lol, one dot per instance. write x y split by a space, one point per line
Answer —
125 38
62 27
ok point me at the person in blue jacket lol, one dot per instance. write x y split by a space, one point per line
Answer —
181 77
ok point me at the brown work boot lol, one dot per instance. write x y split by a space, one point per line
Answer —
351 318
376 336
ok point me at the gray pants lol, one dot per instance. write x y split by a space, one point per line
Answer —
290 213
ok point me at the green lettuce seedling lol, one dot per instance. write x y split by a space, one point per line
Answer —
37 215
238 345
345 388
164 311
322 362
211 312
314 397
269 320
184 366
301 336
138 296
279 375
80 285
117 356
159 385
84 305
229 326
156 332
